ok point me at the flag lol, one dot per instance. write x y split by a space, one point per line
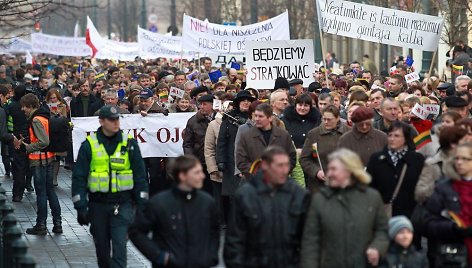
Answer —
236 65
163 97
422 139
409 61
215 76
315 150
457 69
255 166
93 38
455 218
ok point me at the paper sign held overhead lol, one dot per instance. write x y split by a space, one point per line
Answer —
217 105
267 61
412 77
177 92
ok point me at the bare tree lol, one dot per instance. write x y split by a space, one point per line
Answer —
17 17
457 25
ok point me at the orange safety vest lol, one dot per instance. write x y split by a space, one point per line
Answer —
39 155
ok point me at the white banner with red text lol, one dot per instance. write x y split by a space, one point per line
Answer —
157 135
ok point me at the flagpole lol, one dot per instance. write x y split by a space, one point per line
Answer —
432 63
198 56
323 51
181 58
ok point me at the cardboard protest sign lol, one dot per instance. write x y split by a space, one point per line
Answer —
206 37
379 24
412 77
420 111
289 59
177 92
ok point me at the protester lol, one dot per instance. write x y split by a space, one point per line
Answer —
83 104
447 222
360 238
401 252
363 138
279 101
268 216
320 142
40 163
254 141
194 136
191 238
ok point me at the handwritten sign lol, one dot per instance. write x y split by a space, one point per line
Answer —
217 105
412 77
155 45
291 59
177 92
203 36
380 25
432 108
58 45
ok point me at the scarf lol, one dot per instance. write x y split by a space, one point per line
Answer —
396 156
464 190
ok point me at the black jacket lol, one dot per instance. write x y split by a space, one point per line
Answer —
183 224
298 126
266 225
225 149
385 177
20 122
398 256
194 136
77 109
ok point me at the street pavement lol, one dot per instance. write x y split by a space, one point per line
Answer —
73 248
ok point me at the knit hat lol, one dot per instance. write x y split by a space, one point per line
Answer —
396 224
314 87
455 102
281 82
362 114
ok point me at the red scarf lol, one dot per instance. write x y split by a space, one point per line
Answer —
464 190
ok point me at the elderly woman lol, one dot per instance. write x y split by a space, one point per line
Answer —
397 166
326 138
346 225
448 221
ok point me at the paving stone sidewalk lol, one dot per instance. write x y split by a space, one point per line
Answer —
73 248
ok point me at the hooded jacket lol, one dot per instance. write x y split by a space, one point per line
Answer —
40 133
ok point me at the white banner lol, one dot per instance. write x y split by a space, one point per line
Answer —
59 45
380 25
157 135
205 37
293 59
16 45
155 45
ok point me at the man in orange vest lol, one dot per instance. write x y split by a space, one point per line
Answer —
41 164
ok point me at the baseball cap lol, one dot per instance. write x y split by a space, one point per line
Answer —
146 93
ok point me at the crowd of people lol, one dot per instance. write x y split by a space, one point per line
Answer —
342 173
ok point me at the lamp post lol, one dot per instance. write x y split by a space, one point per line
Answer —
143 14
254 11
109 18
427 55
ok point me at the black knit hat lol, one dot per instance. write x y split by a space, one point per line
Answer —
281 82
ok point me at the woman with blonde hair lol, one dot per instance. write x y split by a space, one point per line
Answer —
346 225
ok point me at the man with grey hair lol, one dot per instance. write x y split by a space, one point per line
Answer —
111 98
189 86
461 83
279 101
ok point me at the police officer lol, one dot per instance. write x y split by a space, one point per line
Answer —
108 177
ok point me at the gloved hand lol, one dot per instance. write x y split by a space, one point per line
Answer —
82 217
463 232
221 166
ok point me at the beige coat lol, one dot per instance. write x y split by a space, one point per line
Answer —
211 137
432 172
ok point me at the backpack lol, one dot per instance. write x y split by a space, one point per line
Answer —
59 134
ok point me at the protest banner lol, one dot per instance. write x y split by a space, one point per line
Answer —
157 135
15 46
59 45
412 77
205 37
155 45
226 59
380 25
268 60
